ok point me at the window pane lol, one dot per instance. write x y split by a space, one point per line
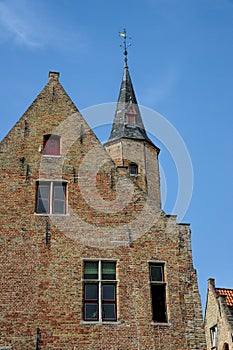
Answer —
156 273
91 270
158 303
109 312
42 206
108 292
59 207
91 291
43 191
108 270
43 198
91 312
59 198
59 191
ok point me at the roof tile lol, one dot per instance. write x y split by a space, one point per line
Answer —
228 293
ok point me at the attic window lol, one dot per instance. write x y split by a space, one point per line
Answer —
131 119
133 169
52 145
131 116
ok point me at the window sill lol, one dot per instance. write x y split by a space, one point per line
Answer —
51 155
164 324
135 175
47 214
101 322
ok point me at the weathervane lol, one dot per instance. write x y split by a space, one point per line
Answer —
125 44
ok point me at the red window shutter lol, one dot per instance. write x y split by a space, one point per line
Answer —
52 145
131 119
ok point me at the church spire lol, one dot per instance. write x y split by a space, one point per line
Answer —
127 121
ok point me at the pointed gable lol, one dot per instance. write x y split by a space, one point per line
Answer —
51 108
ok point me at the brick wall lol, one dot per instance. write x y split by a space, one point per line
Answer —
108 217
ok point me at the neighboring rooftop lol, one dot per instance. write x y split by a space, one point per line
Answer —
228 293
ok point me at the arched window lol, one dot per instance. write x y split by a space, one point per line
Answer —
225 346
52 145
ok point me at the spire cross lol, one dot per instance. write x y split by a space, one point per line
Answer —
125 44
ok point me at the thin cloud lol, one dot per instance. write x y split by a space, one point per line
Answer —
15 27
33 26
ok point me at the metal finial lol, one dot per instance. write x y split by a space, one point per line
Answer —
125 44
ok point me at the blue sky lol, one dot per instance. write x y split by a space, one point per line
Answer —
181 65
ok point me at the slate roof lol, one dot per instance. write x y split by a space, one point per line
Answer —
127 104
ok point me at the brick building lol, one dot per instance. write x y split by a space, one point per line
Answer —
88 258
219 317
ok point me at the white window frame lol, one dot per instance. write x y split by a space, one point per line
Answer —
100 283
51 184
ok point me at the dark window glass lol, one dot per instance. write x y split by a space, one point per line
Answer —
43 193
91 270
158 303
109 312
133 169
100 291
91 301
109 302
108 270
91 312
156 273
108 292
52 145
91 291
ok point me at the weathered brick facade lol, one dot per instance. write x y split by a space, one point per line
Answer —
219 317
109 216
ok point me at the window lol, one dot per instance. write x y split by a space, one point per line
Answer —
130 116
51 197
133 169
130 119
100 291
225 346
52 145
213 336
158 293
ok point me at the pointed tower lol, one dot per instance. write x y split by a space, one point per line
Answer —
128 144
